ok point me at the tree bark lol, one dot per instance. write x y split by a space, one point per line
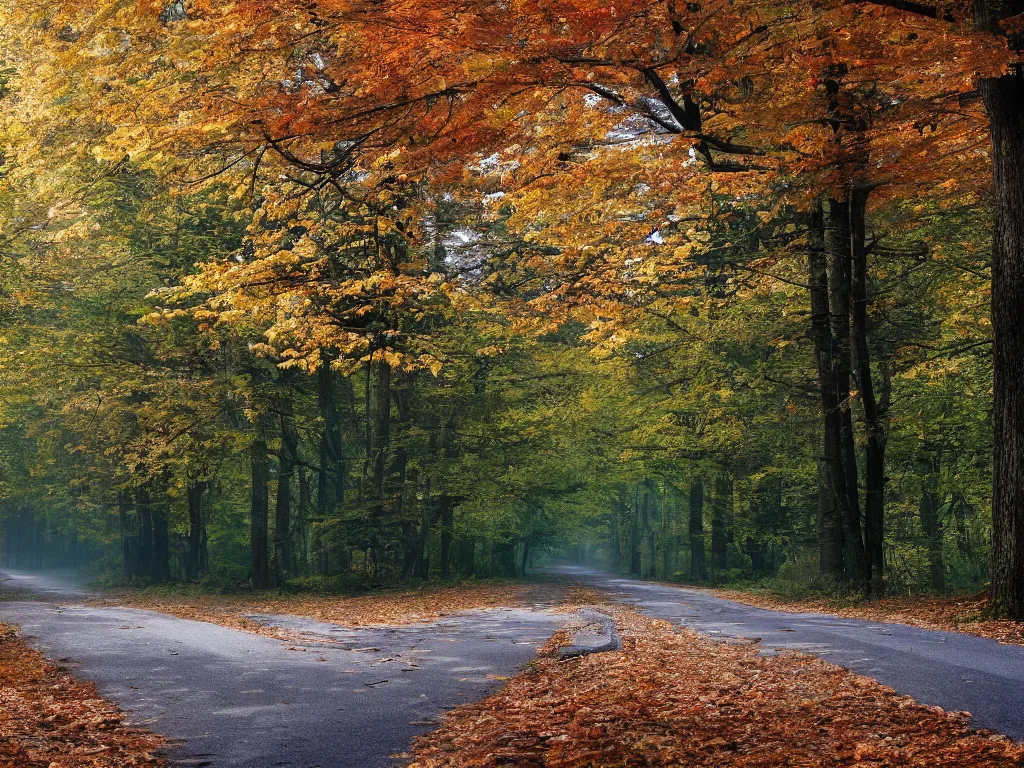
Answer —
634 536
259 509
145 511
447 518
284 560
1004 100
197 542
874 452
614 546
302 556
932 527
832 476
129 569
161 571
330 488
839 280
698 566
721 511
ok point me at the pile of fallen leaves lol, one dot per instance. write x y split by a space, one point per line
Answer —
48 719
956 613
390 608
673 698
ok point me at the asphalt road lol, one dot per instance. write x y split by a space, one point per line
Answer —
341 697
955 671
346 697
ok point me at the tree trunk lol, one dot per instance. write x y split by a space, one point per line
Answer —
525 558
380 415
839 279
284 561
330 484
1004 100
161 542
447 518
931 523
259 509
648 530
832 477
634 536
128 538
614 546
302 556
721 511
874 452
197 546
423 559
145 512
698 567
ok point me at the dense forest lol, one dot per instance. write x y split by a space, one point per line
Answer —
337 292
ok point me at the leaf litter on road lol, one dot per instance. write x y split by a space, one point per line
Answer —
674 698
50 719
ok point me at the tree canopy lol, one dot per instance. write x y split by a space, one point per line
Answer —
345 290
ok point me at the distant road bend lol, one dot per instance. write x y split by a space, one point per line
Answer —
230 698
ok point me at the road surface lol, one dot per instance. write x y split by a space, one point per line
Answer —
347 697
953 670
343 697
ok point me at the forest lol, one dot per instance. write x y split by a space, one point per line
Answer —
327 293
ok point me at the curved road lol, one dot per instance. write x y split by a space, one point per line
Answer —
952 670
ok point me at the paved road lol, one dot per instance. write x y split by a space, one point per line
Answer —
955 671
340 698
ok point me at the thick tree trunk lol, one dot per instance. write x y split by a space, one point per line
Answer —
832 474
1004 100
874 464
839 280
524 560
259 509
284 560
721 511
698 566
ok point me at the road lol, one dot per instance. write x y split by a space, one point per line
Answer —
346 697
956 671
342 697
